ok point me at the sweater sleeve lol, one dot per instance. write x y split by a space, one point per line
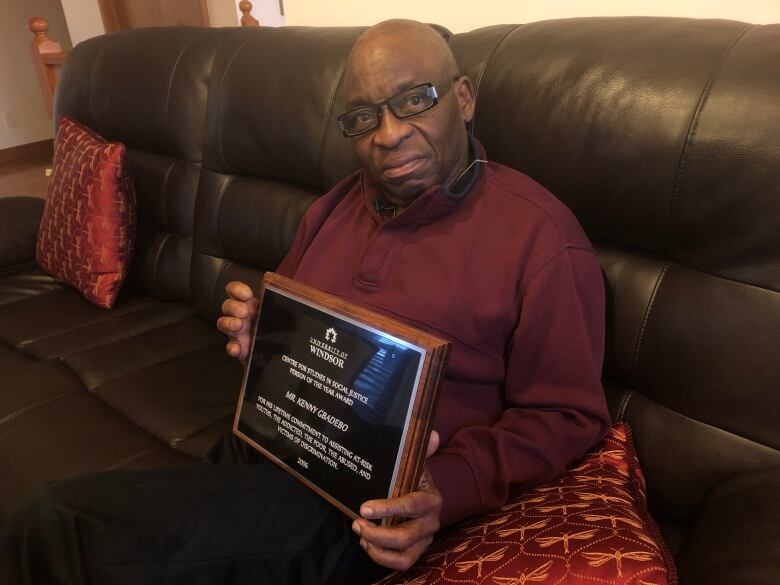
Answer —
554 403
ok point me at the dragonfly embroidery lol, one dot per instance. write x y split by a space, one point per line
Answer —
646 539
613 520
458 549
493 557
598 479
521 529
484 527
540 573
597 559
563 507
587 496
523 504
548 541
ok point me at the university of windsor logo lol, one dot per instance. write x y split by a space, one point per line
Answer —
325 351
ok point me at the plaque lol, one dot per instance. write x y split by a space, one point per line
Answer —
338 395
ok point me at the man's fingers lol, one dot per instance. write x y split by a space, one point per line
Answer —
233 349
234 308
400 560
399 546
239 291
232 325
433 444
238 311
399 537
411 505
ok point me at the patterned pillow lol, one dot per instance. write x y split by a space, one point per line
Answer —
88 223
590 526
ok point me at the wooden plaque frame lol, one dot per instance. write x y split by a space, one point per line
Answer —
414 438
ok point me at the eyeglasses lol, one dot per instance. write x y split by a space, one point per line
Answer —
408 103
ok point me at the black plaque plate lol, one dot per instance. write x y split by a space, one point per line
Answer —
338 395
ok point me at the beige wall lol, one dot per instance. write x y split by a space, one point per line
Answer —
222 12
23 117
83 18
465 16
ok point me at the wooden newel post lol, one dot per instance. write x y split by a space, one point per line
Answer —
245 6
47 59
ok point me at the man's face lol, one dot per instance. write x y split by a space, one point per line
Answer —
406 156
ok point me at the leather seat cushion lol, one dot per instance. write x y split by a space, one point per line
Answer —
146 384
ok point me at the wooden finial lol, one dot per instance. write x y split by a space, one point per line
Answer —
39 27
47 58
245 6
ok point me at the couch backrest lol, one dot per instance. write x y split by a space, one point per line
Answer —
272 147
663 136
148 89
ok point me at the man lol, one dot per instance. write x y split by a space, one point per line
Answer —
476 253
428 232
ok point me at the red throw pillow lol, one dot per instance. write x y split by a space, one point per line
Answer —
88 223
590 526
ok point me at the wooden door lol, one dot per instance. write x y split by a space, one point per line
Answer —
124 14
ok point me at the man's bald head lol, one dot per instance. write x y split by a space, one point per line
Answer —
407 154
398 35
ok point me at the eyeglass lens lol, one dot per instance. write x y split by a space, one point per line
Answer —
407 103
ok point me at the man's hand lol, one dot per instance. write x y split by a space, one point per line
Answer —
239 311
400 546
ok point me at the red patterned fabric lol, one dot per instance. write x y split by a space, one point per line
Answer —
590 526
88 223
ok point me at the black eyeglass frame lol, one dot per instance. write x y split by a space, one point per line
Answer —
433 92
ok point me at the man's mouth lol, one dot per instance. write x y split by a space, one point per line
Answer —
402 167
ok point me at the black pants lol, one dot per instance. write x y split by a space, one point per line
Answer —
208 524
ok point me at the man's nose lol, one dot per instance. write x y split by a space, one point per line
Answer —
391 130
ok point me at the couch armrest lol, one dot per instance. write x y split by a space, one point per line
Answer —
19 221
736 538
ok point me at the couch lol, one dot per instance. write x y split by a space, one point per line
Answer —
661 134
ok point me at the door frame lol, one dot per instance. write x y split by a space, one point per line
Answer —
111 20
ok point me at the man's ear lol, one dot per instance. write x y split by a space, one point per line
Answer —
464 92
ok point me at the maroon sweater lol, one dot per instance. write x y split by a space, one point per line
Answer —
507 275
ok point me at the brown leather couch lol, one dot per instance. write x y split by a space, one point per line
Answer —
662 135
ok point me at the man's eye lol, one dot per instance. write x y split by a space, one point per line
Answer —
416 99
413 103
362 119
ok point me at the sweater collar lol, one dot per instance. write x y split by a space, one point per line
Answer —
434 202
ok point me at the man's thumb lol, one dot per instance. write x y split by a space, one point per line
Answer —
433 444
